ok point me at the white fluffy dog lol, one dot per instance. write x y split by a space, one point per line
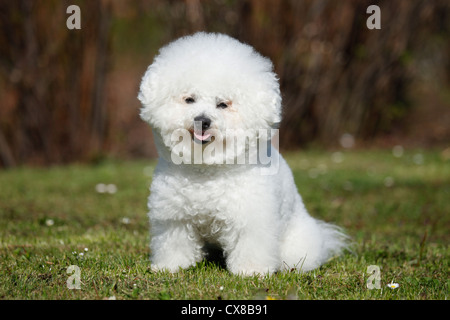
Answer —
213 103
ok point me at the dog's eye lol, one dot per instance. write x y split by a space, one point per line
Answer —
222 105
189 100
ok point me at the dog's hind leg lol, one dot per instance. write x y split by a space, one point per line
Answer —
307 243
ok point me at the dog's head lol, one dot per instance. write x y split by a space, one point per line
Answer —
209 88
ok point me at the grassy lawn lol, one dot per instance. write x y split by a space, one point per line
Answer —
396 209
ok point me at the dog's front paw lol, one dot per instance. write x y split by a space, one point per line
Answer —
159 268
252 270
171 266
167 268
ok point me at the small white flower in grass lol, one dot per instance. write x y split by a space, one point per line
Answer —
337 157
49 222
100 188
393 285
86 249
125 220
397 151
221 288
106 188
81 254
347 141
313 173
418 159
111 188
389 182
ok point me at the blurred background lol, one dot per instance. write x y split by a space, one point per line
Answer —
70 95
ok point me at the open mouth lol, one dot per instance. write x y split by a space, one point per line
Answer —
202 137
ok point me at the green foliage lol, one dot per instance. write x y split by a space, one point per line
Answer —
395 209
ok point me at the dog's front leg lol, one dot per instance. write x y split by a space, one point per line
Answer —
254 249
174 245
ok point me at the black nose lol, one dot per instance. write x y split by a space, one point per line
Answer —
206 122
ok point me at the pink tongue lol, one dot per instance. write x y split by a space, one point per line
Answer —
202 137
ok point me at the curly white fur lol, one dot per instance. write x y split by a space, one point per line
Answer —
259 220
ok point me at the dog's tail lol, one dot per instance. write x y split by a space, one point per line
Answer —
335 241
309 243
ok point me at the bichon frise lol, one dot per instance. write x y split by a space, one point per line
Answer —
213 104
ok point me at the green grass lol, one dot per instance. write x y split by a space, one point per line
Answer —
397 210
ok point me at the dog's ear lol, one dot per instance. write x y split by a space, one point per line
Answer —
270 98
275 106
147 93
